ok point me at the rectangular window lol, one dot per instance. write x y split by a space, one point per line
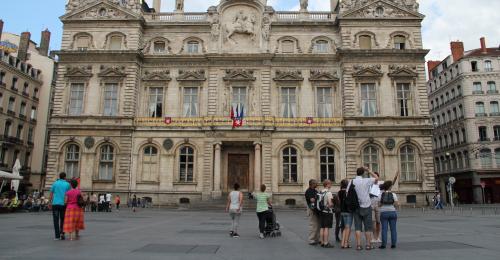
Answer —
111 99
33 113
19 132
477 87
239 99
115 43
76 99
483 134
159 47
287 46
487 66
12 103
368 99
14 83
365 42
473 65
156 102
403 99
496 131
1 100
324 101
399 42
2 78
83 43
30 135
492 87
22 111
193 47
3 154
190 108
288 102
494 108
321 47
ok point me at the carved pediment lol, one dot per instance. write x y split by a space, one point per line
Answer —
156 75
100 10
380 9
368 71
318 75
191 75
112 72
239 75
79 72
288 75
403 71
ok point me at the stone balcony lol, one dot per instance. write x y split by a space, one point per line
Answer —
203 17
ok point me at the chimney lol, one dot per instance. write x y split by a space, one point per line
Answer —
483 45
157 5
24 44
457 50
432 64
44 43
1 28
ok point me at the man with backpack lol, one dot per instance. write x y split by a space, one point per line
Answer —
325 206
312 213
361 207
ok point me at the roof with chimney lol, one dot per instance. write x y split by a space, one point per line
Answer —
495 52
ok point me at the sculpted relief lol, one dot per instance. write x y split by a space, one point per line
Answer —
240 29
242 24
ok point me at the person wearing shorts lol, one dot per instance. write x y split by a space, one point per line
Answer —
326 216
345 215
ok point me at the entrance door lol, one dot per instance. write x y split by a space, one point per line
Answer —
238 170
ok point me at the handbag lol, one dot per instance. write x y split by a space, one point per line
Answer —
80 201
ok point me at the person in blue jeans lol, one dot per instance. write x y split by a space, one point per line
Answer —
388 214
56 203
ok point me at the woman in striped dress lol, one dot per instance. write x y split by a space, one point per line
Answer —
73 218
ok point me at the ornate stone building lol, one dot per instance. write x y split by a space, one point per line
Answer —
143 99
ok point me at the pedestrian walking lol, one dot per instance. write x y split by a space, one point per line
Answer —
73 219
134 203
312 213
108 202
117 202
388 214
438 203
363 214
345 215
263 205
56 203
326 214
234 208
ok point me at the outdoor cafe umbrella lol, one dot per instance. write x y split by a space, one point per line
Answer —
8 176
15 171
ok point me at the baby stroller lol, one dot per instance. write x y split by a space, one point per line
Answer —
272 228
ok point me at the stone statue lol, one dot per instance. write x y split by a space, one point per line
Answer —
242 24
266 27
179 5
303 5
215 29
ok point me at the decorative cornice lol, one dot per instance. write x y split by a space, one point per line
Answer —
191 75
239 75
318 75
288 75
112 72
402 71
79 72
368 71
156 75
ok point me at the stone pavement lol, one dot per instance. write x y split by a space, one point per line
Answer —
175 234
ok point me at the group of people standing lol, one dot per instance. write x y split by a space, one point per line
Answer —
364 200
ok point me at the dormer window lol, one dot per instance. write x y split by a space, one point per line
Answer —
287 46
115 42
83 43
321 46
193 47
365 42
159 46
399 42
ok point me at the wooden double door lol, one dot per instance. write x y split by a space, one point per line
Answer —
238 171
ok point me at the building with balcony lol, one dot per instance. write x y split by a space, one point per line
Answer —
465 110
26 74
144 101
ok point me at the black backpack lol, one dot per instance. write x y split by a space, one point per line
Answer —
387 198
351 199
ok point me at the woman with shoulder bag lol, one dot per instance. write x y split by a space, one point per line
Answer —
388 214
234 207
73 219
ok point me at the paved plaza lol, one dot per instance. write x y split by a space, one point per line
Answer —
183 234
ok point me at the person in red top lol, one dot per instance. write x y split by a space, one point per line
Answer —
73 219
117 202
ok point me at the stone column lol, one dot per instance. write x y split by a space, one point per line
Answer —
217 193
257 169
477 191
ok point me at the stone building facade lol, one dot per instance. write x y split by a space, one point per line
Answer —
465 109
143 99
26 74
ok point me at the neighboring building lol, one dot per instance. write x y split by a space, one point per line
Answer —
143 99
26 74
464 99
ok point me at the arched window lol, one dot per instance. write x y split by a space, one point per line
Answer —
466 159
83 42
150 164
290 165
327 164
186 164
460 160
486 160
72 161
106 160
193 47
159 46
321 46
365 42
399 42
115 42
287 46
454 164
371 158
408 163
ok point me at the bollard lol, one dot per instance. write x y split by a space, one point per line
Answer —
471 211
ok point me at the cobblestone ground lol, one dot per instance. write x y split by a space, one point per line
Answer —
174 234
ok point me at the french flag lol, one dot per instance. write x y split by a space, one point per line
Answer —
237 115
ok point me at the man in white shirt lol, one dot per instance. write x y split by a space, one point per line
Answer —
375 198
363 215
108 202
326 216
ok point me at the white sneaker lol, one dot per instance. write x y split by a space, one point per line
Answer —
261 236
379 240
374 241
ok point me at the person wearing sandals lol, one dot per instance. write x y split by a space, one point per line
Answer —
326 216
234 207
73 219
345 215
388 214
363 215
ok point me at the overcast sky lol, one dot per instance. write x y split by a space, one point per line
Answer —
446 20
